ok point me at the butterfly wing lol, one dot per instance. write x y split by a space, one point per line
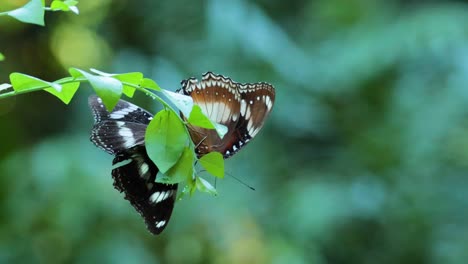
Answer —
134 174
123 111
255 105
120 129
121 133
117 136
218 100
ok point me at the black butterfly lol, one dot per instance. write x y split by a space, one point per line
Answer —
242 108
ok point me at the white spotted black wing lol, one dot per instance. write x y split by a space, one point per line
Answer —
121 133
135 175
120 129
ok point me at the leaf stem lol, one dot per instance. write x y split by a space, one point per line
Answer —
150 94
82 79
41 87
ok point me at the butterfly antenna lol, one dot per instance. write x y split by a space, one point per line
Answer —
241 182
235 178
201 141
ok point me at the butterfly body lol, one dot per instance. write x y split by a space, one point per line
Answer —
242 108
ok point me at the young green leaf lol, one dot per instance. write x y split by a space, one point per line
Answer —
101 73
189 188
182 170
75 73
59 5
32 12
107 88
197 118
150 84
66 5
213 163
165 139
134 78
24 82
183 102
128 90
74 9
2 57
204 186
67 93
183 193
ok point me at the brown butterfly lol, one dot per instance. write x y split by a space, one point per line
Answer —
241 107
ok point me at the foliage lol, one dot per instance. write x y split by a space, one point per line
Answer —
167 140
33 11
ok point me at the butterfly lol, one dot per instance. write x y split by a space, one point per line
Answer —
242 108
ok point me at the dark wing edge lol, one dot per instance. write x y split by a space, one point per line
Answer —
123 111
116 136
256 104
120 129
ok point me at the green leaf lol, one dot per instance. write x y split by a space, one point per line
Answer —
204 186
165 139
74 9
75 73
128 91
183 193
65 6
150 84
134 78
2 58
107 88
183 102
67 93
193 186
101 73
32 12
197 118
23 82
59 5
182 170
213 163
189 188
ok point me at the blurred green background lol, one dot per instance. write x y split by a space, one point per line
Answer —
363 160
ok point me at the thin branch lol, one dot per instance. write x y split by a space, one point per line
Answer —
40 88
